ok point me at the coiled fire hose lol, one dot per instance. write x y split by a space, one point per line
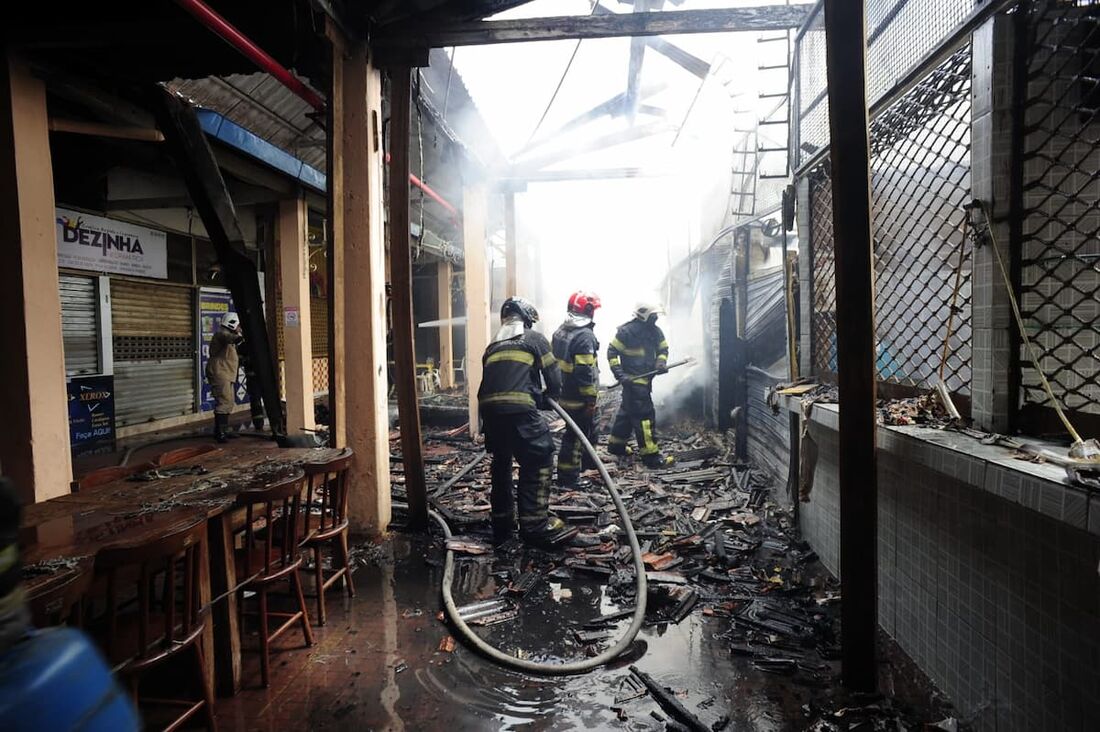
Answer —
574 667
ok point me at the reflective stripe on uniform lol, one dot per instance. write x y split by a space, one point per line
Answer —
569 404
641 380
566 368
620 347
663 344
589 390
548 358
585 359
509 397
613 440
523 357
650 447
616 361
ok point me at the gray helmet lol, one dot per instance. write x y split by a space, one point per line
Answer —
518 307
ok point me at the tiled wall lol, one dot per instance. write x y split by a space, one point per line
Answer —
997 602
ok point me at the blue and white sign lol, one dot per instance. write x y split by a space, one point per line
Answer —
91 414
105 245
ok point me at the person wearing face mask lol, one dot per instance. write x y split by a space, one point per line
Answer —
575 348
638 348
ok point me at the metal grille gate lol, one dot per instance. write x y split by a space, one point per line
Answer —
920 179
1060 226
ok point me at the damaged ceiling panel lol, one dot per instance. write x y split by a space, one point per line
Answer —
264 106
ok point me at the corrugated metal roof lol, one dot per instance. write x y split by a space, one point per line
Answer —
263 106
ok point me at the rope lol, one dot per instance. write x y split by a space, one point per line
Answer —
1020 324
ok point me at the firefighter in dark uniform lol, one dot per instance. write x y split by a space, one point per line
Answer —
516 365
639 347
575 348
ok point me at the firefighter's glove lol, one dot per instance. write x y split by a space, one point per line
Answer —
662 368
625 381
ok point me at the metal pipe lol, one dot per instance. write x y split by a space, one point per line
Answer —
428 191
223 28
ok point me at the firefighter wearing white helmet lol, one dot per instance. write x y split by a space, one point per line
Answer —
639 347
221 371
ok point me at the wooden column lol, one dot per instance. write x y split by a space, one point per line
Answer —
475 209
511 256
404 352
35 449
444 277
845 46
297 334
359 295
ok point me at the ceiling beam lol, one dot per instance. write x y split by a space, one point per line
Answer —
525 168
555 28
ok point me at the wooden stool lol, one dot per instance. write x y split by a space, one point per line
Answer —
140 639
327 499
58 600
271 554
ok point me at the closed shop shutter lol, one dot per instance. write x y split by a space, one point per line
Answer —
154 344
79 324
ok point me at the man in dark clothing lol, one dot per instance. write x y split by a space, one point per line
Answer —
575 348
516 363
639 347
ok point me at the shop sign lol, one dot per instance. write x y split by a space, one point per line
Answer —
213 305
105 245
91 414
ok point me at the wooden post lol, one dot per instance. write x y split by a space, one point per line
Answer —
475 209
444 277
845 47
297 334
511 257
334 247
360 309
742 239
404 351
35 449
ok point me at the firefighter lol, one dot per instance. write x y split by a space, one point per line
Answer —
221 371
575 348
639 347
516 365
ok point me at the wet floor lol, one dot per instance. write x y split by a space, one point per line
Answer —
377 664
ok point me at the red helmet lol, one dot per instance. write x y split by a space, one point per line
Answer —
584 303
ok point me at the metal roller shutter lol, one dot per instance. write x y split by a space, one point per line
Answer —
154 344
79 324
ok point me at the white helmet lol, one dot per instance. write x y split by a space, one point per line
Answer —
231 321
646 309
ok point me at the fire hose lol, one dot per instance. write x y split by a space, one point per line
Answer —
573 667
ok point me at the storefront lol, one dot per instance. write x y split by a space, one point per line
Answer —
139 305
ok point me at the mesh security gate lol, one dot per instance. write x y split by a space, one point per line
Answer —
920 179
899 34
1060 218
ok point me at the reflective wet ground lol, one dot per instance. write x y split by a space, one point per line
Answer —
377 664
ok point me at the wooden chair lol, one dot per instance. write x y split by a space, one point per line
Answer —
327 499
59 600
183 453
139 637
271 554
106 475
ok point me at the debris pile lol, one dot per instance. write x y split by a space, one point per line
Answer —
717 546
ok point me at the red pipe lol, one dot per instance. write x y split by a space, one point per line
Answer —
220 26
429 192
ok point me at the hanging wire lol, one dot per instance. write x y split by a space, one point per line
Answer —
447 91
423 173
561 81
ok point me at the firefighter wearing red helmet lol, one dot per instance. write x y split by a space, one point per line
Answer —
575 348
